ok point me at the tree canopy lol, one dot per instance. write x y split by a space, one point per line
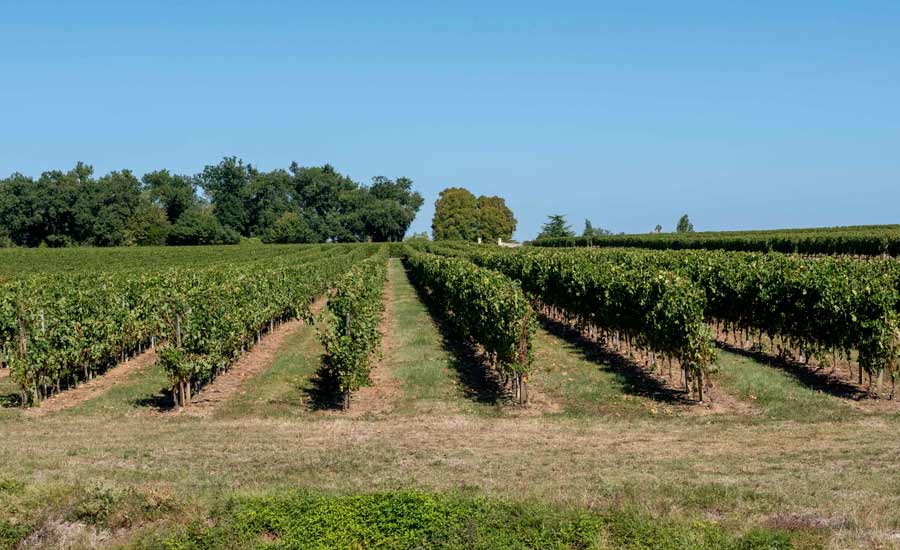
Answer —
459 215
684 225
555 228
591 231
173 193
495 219
222 203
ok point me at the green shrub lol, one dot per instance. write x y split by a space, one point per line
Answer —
411 520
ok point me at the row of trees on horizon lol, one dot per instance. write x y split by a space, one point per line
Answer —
231 200
558 228
223 203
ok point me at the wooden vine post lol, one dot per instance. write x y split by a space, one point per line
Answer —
521 379
23 348
700 384
180 397
345 404
22 344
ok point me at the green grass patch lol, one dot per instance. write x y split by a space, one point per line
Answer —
779 395
419 359
282 390
144 388
408 520
582 385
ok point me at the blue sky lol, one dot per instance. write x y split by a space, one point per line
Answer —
742 114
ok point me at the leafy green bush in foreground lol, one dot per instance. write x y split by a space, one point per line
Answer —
409 520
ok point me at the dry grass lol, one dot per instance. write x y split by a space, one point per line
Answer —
843 473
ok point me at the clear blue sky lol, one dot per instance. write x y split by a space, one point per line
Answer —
742 114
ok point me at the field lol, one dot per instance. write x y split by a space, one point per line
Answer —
447 395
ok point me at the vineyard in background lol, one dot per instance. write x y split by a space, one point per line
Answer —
863 240
24 262
68 315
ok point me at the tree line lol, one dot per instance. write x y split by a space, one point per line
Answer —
221 204
557 228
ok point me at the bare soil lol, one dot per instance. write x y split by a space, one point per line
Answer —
718 401
94 387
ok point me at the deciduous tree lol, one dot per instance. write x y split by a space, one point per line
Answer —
495 219
291 227
174 193
455 215
227 184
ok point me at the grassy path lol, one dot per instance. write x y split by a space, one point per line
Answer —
142 390
587 382
97 387
777 394
429 374
283 389
582 384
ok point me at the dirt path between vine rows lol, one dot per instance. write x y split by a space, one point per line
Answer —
253 362
4 373
95 387
380 396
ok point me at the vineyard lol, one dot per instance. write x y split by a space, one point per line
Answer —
485 308
859 241
380 358
57 330
675 304
351 335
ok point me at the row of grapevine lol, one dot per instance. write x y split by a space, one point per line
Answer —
822 308
350 336
485 307
855 241
58 329
654 309
211 322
